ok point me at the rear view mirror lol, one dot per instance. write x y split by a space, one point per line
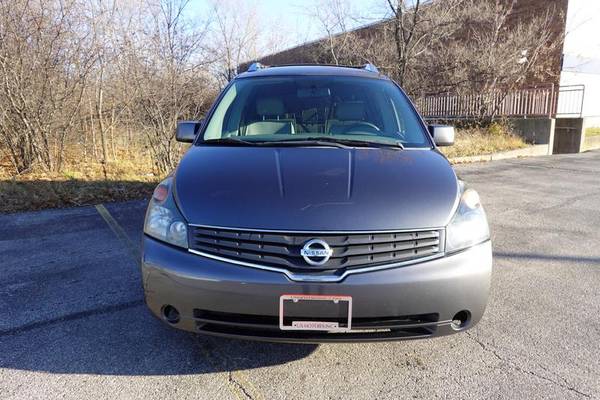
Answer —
443 135
313 92
187 130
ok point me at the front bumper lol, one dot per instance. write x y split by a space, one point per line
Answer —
220 298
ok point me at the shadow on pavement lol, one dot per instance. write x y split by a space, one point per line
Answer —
129 341
39 194
548 257
75 304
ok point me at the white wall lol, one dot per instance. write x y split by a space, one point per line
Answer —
581 56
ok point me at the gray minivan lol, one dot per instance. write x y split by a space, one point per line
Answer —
314 206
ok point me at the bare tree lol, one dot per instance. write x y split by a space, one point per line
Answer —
496 52
45 59
334 19
235 37
170 80
396 43
102 15
77 69
416 27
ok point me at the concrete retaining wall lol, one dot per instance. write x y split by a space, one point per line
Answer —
561 135
535 130
549 136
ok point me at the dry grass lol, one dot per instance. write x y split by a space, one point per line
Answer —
128 177
478 141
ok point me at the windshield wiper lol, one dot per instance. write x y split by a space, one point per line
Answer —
343 143
230 141
310 141
305 142
233 141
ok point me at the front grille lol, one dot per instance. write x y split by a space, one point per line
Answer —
282 249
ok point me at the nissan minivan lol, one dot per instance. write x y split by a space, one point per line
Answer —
314 206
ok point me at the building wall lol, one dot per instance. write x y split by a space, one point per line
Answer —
581 54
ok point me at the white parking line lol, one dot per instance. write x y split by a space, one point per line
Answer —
119 232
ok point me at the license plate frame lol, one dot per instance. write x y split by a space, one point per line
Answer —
326 326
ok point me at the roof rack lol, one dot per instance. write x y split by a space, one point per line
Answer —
367 67
370 67
255 67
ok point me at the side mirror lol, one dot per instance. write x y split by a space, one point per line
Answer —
187 130
443 135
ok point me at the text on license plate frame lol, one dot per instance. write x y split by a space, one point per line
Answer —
314 325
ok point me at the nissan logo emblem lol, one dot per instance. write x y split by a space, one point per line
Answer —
316 252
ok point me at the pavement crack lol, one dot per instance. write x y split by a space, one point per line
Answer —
237 384
545 378
514 366
485 347
234 382
71 317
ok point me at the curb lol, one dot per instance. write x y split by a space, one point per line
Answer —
530 151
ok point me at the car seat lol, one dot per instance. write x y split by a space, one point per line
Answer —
273 119
346 114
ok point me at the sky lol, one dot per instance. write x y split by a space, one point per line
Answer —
292 18
582 41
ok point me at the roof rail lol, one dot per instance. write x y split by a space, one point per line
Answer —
255 67
370 67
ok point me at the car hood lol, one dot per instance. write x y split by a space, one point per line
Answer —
315 188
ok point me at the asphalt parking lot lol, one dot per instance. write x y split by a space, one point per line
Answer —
73 324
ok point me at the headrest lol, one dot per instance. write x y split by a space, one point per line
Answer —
350 111
269 106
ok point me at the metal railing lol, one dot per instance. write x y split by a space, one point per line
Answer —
532 102
570 101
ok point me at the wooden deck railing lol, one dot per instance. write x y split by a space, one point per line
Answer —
533 102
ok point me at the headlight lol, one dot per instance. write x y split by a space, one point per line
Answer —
469 225
163 220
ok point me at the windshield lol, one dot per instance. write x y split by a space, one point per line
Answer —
300 108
